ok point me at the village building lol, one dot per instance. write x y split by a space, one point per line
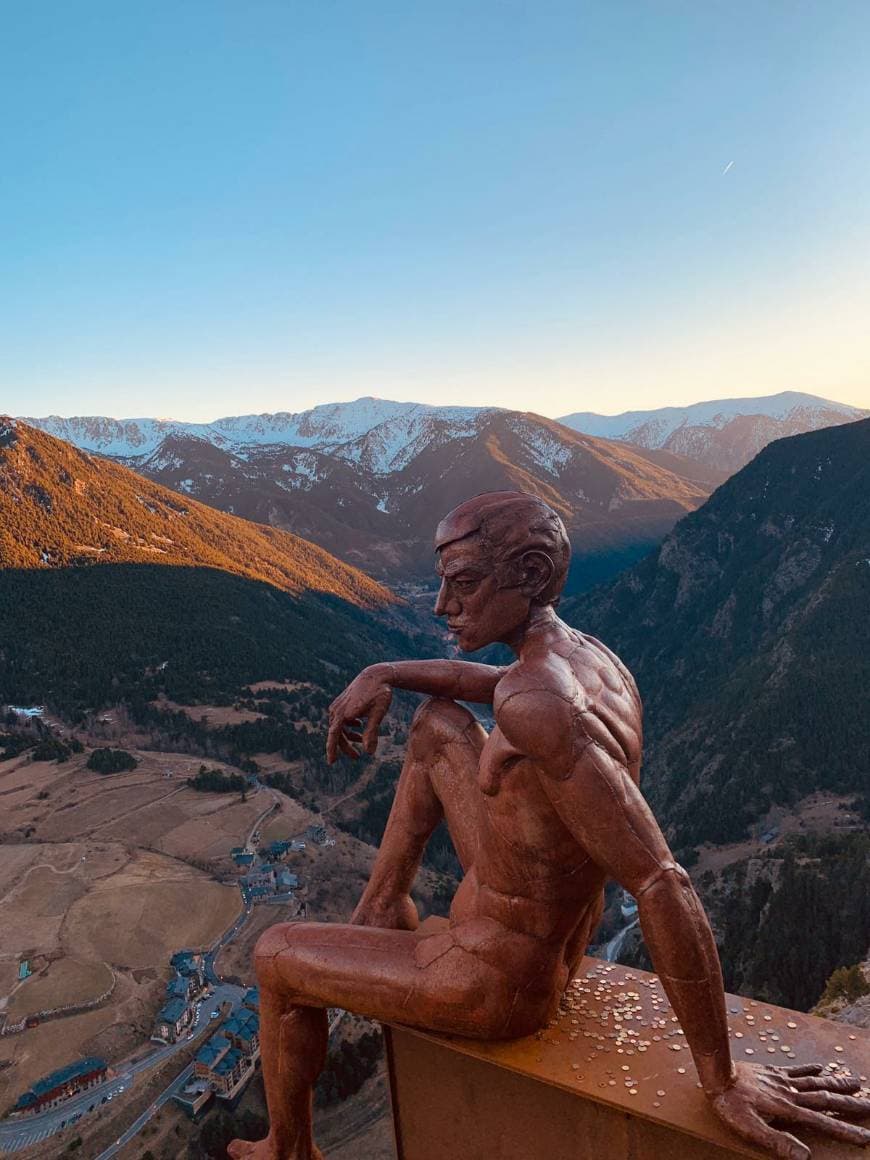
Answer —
182 992
279 850
191 964
60 1085
173 1019
267 880
227 1060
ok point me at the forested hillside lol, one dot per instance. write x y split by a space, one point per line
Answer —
60 506
749 634
114 590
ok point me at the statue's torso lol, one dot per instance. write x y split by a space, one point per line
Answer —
530 873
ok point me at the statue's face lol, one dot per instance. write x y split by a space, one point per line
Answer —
478 611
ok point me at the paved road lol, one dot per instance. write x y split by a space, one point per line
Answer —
137 1125
16 1134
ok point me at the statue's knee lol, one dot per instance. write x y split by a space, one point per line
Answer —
439 720
271 944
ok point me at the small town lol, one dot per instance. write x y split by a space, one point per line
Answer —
195 999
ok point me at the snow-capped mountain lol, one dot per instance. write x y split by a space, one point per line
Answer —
368 480
722 433
378 434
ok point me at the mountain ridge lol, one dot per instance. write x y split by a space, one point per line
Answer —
62 506
722 433
368 486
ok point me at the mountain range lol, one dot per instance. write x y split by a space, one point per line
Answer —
368 480
724 433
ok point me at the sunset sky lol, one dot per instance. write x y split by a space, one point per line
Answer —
212 208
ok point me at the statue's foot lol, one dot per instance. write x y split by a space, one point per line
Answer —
266 1150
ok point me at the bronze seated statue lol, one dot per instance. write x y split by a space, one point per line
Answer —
541 811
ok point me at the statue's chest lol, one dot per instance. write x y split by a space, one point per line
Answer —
515 808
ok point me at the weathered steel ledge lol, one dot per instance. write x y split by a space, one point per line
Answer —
611 1079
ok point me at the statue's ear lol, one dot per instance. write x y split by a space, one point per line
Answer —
537 572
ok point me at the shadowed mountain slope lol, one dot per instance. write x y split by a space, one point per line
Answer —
749 633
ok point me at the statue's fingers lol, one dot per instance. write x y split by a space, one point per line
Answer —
852 1106
846 1084
803 1069
783 1145
332 742
819 1122
346 746
353 735
370 736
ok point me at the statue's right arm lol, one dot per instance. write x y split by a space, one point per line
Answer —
369 694
590 788
458 680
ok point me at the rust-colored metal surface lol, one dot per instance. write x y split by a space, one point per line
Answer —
617 1049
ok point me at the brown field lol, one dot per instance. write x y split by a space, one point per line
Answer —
112 1031
149 806
818 813
150 908
62 981
290 686
102 874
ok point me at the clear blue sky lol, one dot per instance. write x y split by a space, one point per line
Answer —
213 208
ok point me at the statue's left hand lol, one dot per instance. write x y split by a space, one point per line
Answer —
797 1096
369 696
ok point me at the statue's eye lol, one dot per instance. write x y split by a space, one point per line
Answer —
464 585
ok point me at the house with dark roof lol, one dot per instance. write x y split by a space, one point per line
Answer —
173 1018
179 987
243 1031
60 1085
191 964
229 1058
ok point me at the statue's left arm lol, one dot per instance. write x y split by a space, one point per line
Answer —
586 779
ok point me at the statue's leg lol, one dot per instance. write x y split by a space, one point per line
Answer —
429 981
445 743
293 1050
438 780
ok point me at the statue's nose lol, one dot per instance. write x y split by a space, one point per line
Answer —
441 600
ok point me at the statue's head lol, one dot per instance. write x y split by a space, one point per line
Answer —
499 555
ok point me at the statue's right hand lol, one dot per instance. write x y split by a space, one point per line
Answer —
797 1096
369 696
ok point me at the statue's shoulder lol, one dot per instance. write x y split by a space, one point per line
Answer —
610 666
534 703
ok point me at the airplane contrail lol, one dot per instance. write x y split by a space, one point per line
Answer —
727 167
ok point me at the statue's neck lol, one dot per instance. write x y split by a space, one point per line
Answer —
541 618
